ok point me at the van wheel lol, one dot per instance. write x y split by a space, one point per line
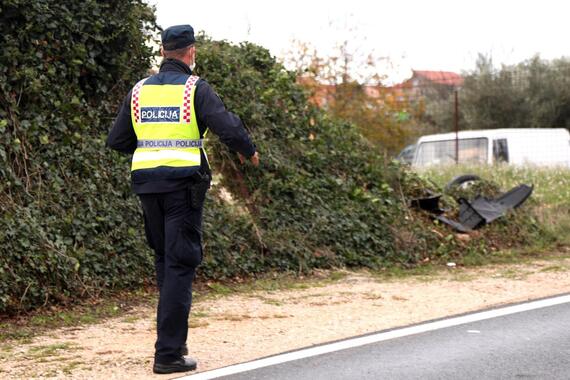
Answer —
461 181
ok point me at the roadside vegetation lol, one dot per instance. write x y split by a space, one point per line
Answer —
323 198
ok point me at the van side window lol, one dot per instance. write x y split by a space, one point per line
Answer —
500 151
471 151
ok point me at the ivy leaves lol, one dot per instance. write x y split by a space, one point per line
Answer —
64 230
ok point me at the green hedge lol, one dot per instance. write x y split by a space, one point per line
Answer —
69 226
319 198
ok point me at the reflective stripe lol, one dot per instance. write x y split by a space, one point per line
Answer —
164 154
170 143
187 101
135 108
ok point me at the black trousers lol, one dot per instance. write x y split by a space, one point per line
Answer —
173 226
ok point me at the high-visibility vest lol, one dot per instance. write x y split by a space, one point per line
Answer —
165 124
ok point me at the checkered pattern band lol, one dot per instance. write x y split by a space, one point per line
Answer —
187 103
135 100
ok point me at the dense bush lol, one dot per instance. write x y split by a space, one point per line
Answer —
319 198
68 219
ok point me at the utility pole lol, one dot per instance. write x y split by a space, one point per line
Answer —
456 122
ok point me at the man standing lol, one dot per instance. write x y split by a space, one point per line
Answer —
162 122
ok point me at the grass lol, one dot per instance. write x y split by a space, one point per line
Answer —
197 319
337 275
219 289
432 271
194 324
131 319
39 352
69 367
200 314
551 185
513 274
555 268
463 277
396 272
270 282
373 296
23 328
234 317
269 301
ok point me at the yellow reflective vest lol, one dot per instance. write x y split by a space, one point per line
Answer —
165 124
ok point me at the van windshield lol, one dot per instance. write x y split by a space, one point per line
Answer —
471 151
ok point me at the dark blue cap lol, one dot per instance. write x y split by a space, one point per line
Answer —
177 37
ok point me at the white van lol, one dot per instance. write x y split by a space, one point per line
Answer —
535 146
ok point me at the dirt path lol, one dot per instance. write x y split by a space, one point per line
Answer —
241 327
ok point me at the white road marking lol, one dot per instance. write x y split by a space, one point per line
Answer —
379 337
474 331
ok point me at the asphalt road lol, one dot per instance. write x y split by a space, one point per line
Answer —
533 344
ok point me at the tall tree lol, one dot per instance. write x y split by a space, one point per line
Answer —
532 94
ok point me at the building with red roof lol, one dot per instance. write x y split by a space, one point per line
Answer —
422 83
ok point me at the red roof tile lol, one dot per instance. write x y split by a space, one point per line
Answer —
441 77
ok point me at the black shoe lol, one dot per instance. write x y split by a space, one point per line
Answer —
180 365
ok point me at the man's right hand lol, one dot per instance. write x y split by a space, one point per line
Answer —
254 159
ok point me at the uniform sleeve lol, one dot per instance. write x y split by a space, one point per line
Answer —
122 136
211 112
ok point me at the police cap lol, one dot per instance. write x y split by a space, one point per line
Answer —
177 37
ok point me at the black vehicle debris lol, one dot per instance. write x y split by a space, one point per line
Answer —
475 213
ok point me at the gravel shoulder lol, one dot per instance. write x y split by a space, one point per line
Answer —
247 325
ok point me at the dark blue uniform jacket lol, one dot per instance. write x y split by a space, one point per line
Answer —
210 113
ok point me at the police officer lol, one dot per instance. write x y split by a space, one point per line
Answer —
162 122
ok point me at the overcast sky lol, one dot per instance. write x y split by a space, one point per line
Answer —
414 34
